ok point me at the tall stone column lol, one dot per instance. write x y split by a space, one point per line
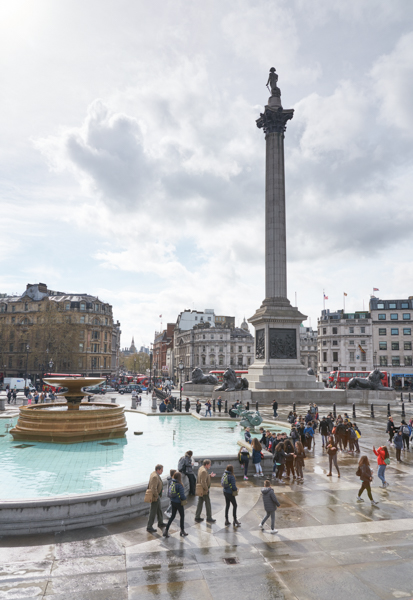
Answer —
277 324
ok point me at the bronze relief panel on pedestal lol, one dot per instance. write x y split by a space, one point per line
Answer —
283 343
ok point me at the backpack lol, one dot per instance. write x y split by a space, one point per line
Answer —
224 480
353 434
172 493
182 465
406 430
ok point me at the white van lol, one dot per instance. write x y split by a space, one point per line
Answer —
19 383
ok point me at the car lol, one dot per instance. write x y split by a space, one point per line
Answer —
95 389
128 389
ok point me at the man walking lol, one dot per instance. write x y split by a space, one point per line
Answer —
204 479
323 429
275 408
391 428
156 486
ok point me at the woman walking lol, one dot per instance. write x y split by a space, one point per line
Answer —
256 457
383 460
299 460
178 501
289 458
279 462
230 491
270 505
332 457
398 444
366 476
244 459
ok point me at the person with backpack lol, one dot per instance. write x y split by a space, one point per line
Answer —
352 438
358 436
294 436
270 505
383 459
309 434
366 476
14 394
398 444
244 459
299 455
185 467
8 396
405 434
230 491
178 501
256 457
332 456
168 511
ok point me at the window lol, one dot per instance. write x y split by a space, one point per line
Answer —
97 307
324 343
2 308
363 342
404 305
407 331
382 317
95 335
106 347
382 331
203 337
352 356
334 330
11 347
67 306
335 356
239 348
106 336
352 368
363 356
325 356
408 361
26 306
392 305
82 319
380 305
212 337
406 316
351 329
382 345
362 330
248 348
196 318
81 347
221 348
407 345
209 318
104 363
240 361
351 342
82 334
394 316
395 361
82 306
324 330
13 309
395 345
394 331
203 360
10 361
203 348
335 343
97 322
106 321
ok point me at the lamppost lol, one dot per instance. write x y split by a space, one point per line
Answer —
150 371
181 369
51 365
27 364
374 359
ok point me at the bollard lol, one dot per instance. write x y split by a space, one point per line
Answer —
401 397
226 406
354 411
403 413
113 400
410 398
180 406
293 407
256 406
334 411
213 405
133 405
2 404
25 402
248 406
372 411
154 404
388 410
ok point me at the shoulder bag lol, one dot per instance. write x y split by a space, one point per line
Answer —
148 496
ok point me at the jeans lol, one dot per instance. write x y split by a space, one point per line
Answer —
208 410
406 441
332 459
201 501
230 499
245 463
192 484
258 468
366 486
398 452
272 515
381 473
176 508
324 440
156 511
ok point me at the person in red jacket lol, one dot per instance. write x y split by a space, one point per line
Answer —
382 455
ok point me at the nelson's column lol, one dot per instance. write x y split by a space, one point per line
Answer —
277 364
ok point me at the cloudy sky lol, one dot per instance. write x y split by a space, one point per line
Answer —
132 168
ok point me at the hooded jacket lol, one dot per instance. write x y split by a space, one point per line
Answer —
270 500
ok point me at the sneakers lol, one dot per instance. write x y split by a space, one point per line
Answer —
261 526
273 530
359 499
374 502
198 519
245 478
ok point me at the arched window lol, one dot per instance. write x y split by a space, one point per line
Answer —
82 306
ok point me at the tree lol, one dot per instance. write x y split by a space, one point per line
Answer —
136 363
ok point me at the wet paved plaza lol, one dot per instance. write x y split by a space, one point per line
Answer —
328 546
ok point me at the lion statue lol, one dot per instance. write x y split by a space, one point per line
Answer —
372 382
199 377
232 383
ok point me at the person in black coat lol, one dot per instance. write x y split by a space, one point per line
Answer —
366 476
230 491
391 429
177 497
187 405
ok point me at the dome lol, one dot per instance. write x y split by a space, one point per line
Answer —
244 325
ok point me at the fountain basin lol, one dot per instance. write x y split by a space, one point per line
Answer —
61 425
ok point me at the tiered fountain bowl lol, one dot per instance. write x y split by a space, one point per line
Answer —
73 422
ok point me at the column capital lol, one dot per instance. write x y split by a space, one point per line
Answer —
274 121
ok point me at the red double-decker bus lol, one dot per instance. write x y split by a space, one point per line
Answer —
340 379
220 374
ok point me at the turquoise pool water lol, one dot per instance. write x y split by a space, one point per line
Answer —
39 470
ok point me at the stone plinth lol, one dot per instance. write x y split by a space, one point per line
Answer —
201 390
379 397
301 397
242 396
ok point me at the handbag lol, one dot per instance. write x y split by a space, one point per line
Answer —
183 502
235 493
358 434
199 490
387 461
148 496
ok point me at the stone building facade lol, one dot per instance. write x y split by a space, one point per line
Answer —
75 333
213 348
308 348
163 342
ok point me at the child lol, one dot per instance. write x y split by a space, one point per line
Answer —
270 505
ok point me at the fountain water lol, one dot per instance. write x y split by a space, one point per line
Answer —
72 422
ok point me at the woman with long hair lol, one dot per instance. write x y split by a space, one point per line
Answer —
383 459
289 458
177 495
244 459
256 457
279 461
230 491
332 456
366 476
299 460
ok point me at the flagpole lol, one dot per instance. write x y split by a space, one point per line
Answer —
344 302
324 300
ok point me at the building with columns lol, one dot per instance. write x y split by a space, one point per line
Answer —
308 348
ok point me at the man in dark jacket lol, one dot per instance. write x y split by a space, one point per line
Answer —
324 430
391 429
275 408
398 444
270 505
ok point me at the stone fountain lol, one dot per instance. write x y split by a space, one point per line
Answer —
73 422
